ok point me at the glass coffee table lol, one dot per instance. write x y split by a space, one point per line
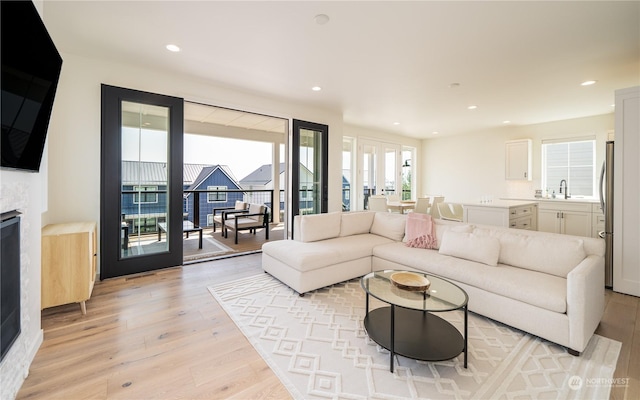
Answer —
408 326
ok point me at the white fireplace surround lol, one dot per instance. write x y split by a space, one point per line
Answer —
15 366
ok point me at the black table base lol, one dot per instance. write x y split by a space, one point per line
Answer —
417 334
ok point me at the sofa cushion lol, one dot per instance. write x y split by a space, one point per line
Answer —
483 249
389 225
319 254
551 254
319 226
356 222
515 283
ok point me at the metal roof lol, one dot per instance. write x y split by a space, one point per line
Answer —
207 171
261 176
155 173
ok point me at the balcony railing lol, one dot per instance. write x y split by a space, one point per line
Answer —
197 207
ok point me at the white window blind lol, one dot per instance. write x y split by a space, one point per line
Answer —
573 161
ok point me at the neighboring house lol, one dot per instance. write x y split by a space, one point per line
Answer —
346 194
216 177
149 179
261 179
143 209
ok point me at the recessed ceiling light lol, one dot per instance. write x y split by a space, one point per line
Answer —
506 121
316 88
321 19
435 132
588 83
174 48
472 107
396 123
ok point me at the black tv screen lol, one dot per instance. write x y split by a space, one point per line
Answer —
31 68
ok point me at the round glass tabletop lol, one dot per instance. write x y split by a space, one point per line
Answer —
442 295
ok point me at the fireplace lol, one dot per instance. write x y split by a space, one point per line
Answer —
9 280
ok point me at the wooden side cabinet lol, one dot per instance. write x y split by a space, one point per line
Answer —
68 263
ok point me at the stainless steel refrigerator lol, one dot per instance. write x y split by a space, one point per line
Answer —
606 204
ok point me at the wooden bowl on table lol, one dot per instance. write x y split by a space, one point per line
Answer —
410 281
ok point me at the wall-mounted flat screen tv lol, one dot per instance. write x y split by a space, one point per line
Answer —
31 68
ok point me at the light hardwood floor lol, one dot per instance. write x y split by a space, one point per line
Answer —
163 336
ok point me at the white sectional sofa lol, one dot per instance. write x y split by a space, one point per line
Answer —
549 285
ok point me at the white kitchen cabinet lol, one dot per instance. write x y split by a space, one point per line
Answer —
512 214
518 160
566 218
626 214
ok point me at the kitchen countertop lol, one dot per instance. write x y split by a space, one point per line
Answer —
501 203
561 200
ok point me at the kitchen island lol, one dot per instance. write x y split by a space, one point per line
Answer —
510 213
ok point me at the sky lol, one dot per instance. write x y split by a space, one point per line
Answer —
242 156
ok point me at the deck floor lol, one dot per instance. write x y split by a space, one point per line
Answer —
214 245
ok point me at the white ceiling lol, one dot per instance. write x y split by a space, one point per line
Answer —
380 62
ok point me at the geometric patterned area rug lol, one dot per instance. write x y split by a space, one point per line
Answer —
319 349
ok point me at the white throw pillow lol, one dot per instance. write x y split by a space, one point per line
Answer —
441 227
319 226
356 222
389 225
482 249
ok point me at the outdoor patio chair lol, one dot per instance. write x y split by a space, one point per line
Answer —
219 214
257 217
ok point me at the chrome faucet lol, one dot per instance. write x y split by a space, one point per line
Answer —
566 189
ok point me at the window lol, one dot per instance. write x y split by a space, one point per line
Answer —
217 197
408 153
572 161
140 197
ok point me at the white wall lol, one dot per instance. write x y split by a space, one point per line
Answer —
467 167
74 137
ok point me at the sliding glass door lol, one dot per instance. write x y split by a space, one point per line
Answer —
141 181
309 160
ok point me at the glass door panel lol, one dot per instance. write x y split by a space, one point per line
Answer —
141 215
310 181
391 172
368 163
144 204
378 170
310 159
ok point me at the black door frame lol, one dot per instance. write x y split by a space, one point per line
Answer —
295 163
112 264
